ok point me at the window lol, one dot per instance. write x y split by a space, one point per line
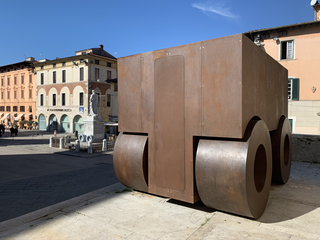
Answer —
8 108
54 99
63 75
287 50
22 79
1 95
96 74
15 80
54 77
30 78
96 62
42 79
81 74
116 87
108 100
108 75
108 64
54 65
81 99
41 99
2 82
30 108
15 108
2 108
283 33
22 108
15 94
22 93
41 67
8 81
64 63
293 89
8 94
30 93
63 99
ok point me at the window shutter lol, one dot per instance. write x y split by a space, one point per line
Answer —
295 89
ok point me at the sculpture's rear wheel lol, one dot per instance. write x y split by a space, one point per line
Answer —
281 151
235 176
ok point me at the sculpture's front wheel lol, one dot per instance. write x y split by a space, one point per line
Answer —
235 176
130 161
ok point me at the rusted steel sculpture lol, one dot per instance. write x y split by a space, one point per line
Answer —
205 121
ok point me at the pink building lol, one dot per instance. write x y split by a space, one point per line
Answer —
296 47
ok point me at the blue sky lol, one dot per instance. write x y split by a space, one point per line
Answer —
50 29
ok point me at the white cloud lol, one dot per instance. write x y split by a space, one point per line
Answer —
215 8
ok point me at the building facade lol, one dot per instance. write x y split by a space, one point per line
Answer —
296 48
64 86
17 94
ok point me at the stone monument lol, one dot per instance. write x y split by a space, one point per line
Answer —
93 125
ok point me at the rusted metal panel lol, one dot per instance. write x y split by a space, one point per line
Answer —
129 101
221 83
169 123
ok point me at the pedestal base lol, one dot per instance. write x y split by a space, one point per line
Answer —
94 125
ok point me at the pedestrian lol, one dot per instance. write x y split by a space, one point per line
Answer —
1 130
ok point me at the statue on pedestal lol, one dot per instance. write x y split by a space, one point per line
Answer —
93 104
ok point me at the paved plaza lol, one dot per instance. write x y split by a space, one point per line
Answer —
34 176
74 205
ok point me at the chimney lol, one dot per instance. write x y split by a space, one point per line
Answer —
316 8
30 59
101 46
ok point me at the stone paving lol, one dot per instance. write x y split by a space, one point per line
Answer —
34 176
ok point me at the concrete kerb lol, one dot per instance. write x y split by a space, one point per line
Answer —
11 226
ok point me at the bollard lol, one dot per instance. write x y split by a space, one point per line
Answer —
51 142
104 145
61 143
77 146
89 147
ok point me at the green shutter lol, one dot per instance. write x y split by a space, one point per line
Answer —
290 120
295 89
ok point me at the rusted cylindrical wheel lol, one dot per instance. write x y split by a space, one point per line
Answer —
130 161
281 140
235 176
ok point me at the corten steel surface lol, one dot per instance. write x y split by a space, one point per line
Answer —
130 161
281 151
235 176
179 96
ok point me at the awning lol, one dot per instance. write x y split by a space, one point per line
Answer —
1 114
17 118
111 124
14 113
6 115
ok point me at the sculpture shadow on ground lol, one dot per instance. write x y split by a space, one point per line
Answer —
30 194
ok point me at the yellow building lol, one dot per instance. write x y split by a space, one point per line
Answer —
296 47
64 86
17 93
